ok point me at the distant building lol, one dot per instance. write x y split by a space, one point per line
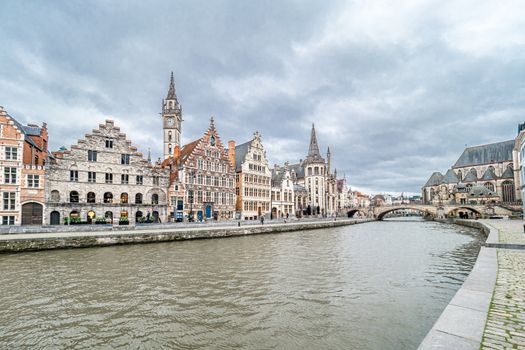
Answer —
283 196
104 177
202 179
491 166
23 156
253 179
171 120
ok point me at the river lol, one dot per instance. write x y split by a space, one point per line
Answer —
378 285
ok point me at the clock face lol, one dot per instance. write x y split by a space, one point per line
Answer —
171 121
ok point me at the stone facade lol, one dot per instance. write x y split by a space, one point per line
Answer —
23 154
103 176
203 174
171 120
252 180
482 174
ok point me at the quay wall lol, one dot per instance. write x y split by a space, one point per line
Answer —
462 323
63 240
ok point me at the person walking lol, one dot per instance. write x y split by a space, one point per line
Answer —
262 220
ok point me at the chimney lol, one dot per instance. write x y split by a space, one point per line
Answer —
176 152
231 153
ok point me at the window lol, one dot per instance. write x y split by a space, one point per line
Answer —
109 178
11 153
73 175
124 179
108 197
124 198
91 197
138 198
33 181
140 180
55 196
155 199
73 197
8 220
109 143
124 159
92 156
156 180
9 175
9 200
92 176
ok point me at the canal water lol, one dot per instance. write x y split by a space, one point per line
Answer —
378 285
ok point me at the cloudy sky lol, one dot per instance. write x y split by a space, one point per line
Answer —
396 89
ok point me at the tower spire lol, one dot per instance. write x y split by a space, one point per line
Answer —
313 150
172 95
329 161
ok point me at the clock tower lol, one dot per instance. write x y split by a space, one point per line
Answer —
171 119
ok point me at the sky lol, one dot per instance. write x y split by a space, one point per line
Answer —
395 88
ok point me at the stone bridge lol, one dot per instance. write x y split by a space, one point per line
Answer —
444 211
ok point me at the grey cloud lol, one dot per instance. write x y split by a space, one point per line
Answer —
396 94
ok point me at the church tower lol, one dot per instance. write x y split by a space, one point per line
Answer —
171 119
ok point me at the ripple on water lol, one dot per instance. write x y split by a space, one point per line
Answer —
374 286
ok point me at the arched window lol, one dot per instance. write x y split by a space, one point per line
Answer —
91 198
474 172
169 148
138 198
460 175
489 186
124 198
73 197
469 187
154 198
170 136
108 197
55 196
507 188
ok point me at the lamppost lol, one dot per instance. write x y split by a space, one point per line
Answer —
271 198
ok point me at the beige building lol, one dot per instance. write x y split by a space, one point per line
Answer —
252 179
283 196
104 178
171 120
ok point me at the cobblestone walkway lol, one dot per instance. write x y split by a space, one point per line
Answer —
505 328
510 231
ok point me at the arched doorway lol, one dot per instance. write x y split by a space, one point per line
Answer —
32 214
90 216
138 216
54 218
155 216
109 216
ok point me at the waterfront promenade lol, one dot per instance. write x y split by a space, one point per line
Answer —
488 312
80 237
505 327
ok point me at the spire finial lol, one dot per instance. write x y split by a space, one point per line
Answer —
149 155
171 91
212 122
313 150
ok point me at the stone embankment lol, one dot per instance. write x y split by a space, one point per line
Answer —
10 243
488 311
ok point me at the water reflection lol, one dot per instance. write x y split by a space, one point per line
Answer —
374 286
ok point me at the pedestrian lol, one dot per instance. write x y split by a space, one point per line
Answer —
262 220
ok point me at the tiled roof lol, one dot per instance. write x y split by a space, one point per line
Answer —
508 173
450 177
435 179
489 174
485 154
240 154
470 177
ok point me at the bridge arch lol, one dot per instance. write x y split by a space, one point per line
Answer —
464 212
352 212
381 214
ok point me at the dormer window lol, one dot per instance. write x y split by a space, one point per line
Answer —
212 140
